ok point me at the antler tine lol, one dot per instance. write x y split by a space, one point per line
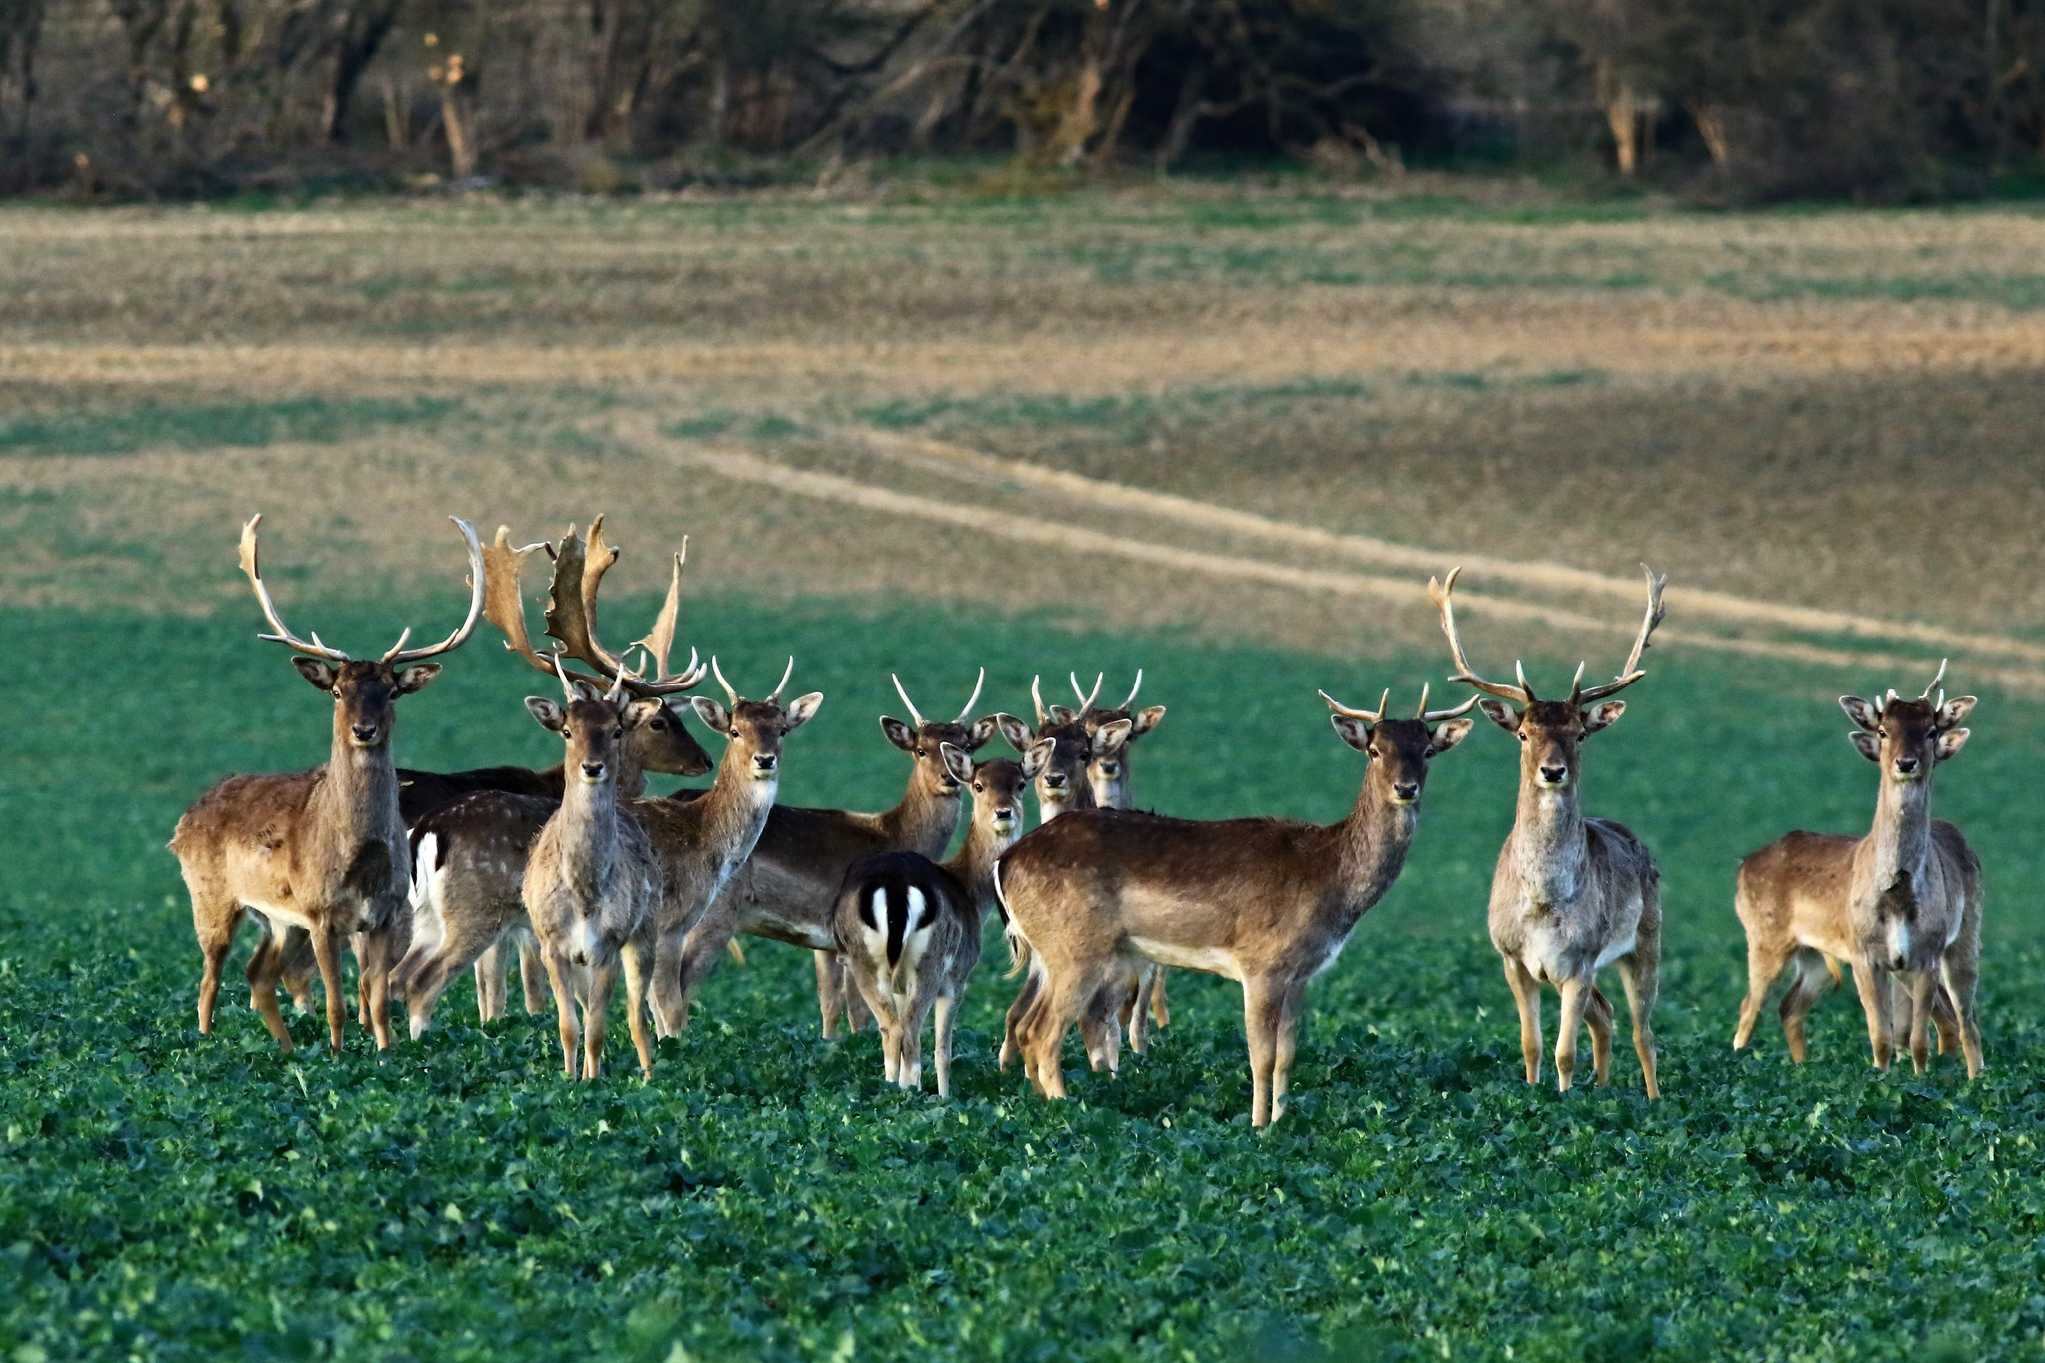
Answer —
1130 699
1421 708
1367 716
1440 593
283 635
915 716
579 567
1632 672
400 654
1037 698
659 640
1937 679
504 604
972 700
786 673
1428 716
1519 673
1086 702
567 689
718 673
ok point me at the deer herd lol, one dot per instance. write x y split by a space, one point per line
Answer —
426 875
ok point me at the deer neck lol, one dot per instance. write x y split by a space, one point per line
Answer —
735 808
588 844
922 819
1548 844
360 793
1896 847
974 865
1374 841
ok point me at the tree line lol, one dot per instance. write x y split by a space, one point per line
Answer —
1750 99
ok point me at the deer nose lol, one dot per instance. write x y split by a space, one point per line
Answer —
1406 790
1898 961
593 770
365 733
1054 781
765 761
1906 765
1554 775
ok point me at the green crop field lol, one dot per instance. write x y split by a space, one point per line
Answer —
1220 437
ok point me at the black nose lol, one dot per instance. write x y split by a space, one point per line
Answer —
1406 790
1005 812
593 770
765 761
365 732
1906 765
1054 781
1554 773
1897 962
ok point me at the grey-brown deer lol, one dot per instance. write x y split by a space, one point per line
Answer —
908 928
1901 904
1570 894
1268 903
320 854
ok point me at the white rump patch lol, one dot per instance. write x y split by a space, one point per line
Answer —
1899 939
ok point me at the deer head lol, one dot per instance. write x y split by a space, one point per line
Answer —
595 726
924 739
1399 749
365 692
1107 765
997 784
1907 738
1550 732
754 728
1065 774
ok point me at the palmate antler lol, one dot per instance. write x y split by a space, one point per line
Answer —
1523 693
397 654
579 568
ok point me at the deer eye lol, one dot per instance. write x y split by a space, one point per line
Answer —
336 693
617 733
1521 735
733 733
1879 733
657 724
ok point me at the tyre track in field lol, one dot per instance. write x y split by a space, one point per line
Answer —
745 465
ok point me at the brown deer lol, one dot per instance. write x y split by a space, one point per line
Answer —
318 854
908 928
802 854
592 882
470 856
1570 894
787 887
1268 903
1903 901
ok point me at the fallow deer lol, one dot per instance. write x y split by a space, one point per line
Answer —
592 883
788 886
908 928
1268 903
1570 894
1905 900
470 855
320 853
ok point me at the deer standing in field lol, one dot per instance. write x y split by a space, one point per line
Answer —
1903 901
1268 903
1570 894
470 855
789 884
318 854
908 928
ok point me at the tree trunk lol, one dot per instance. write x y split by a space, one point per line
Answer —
1622 116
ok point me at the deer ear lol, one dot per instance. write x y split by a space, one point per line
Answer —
417 678
1870 746
1015 731
1352 731
802 708
1954 712
1449 733
317 671
1951 741
548 712
1148 719
714 716
957 763
982 731
1501 714
1037 756
1603 715
1109 738
1861 712
1058 714
640 713
899 734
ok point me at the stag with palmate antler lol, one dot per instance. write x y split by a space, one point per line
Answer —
1269 903
320 854
1902 904
1570 894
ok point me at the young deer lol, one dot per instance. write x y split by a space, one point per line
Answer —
592 882
908 928
1570 895
1268 903
1903 900
315 854
470 856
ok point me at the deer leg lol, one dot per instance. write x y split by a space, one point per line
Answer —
1526 992
1576 994
1288 1041
326 952
1943 1023
1100 1026
263 969
1263 1001
1135 1007
1872 983
296 970
1597 1016
424 977
830 989
215 928
1058 1003
1958 978
1813 975
684 962
857 1014
1012 1042
596 1017
1160 1011
912 1047
489 973
941 1043
357 944
1640 973
1764 962
637 958
1920 984
373 967
564 1008
532 974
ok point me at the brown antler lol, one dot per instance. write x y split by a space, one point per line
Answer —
1631 673
249 565
1428 716
579 568
1439 593
504 607
1367 716
398 654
